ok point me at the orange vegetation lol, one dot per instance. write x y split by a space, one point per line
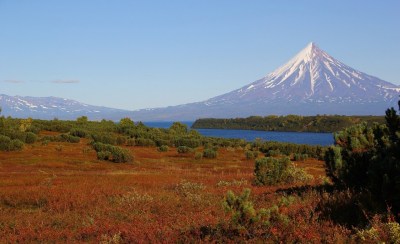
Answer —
61 192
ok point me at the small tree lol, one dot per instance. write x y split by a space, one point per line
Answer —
241 208
271 171
210 153
368 158
178 128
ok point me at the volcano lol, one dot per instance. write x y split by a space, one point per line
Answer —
312 82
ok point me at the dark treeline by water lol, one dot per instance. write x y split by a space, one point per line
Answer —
293 123
323 139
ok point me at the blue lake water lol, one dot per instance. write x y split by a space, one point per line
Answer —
323 139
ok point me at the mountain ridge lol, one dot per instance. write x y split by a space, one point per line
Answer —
310 83
54 107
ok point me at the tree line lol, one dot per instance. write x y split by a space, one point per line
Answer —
296 123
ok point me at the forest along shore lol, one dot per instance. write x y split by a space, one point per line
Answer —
289 123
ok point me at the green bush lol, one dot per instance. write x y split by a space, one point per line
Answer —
210 153
251 154
198 155
69 138
272 171
131 142
163 148
184 149
241 209
30 138
104 138
5 143
161 142
368 158
188 142
121 140
121 155
144 142
300 157
16 145
246 219
78 132
104 155
112 153
273 153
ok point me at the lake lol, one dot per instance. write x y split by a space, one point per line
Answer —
323 139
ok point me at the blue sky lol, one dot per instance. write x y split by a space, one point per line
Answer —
141 54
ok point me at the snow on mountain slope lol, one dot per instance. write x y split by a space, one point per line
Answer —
314 76
311 83
53 107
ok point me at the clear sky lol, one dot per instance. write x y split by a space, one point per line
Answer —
139 54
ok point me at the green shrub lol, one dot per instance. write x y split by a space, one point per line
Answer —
45 142
246 219
379 232
188 142
131 142
210 153
251 154
161 142
121 155
163 148
112 153
273 153
104 138
368 158
184 149
198 155
104 155
68 138
121 140
296 174
241 209
16 145
4 143
78 132
30 138
271 171
300 157
144 142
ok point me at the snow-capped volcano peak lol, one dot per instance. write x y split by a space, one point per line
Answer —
313 75
311 83
315 79
314 66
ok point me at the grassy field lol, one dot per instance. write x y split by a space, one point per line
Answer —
61 192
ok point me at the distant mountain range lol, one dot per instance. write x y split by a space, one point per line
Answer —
54 107
311 83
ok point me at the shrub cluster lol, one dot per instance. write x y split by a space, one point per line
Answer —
112 153
144 142
251 154
78 132
273 153
6 144
198 155
272 171
368 158
300 157
210 153
163 148
184 149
